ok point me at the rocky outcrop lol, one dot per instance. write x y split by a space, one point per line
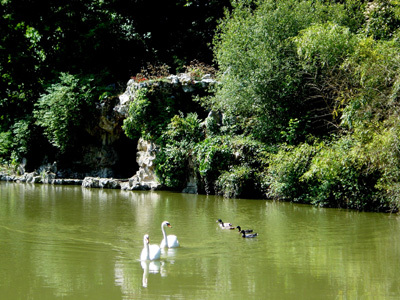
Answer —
97 182
145 178
182 81
34 177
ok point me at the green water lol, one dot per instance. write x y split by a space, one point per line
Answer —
62 242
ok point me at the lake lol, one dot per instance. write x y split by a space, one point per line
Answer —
68 242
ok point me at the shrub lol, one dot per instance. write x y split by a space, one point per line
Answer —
134 124
261 81
282 178
382 19
177 143
212 156
5 143
197 70
152 72
339 176
21 136
237 182
63 109
171 165
183 129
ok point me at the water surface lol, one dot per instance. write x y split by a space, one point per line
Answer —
67 242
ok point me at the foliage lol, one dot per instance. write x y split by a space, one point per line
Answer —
152 72
63 109
21 139
173 158
212 156
322 49
286 167
324 46
260 78
236 182
197 70
339 176
172 164
134 123
5 143
14 144
382 18
375 83
237 160
183 129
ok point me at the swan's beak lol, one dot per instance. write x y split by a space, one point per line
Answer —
169 225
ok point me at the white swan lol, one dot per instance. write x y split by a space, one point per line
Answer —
170 241
149 252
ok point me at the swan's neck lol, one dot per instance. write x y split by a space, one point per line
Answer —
164 235
146 246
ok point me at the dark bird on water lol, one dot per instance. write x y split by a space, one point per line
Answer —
245 230
248 235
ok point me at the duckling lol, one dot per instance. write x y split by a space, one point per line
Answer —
245 230
225 225
248 235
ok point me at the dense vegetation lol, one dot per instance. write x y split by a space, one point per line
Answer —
306 108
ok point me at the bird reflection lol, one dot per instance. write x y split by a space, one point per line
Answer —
170 252
151 267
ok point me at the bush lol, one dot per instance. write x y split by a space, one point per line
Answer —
177 142
339 176
261 81
235 161
383 19
63 109
134 125
171 165
21 138
212 157
14 143
153 107
5 144
239 181
183 129
282 178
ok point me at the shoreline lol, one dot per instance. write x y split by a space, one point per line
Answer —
87 182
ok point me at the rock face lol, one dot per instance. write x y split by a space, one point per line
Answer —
145 178
97 182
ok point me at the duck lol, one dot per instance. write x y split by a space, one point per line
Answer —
245 230
248 235
170 241
149 252
225 225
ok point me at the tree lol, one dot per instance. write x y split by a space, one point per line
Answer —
261 80
63 109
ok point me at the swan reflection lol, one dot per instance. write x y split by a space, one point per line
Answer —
169 252
152 267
